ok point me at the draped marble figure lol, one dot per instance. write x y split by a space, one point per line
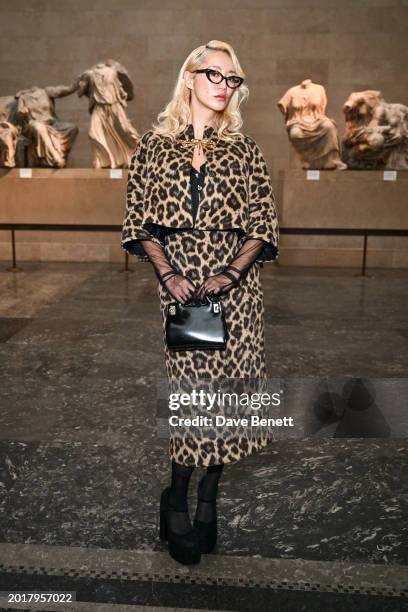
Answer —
9 132
376 133
113 138
48 138
313 135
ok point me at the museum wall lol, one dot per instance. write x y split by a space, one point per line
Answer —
346 46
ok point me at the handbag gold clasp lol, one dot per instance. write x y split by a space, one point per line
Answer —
172 309
216 307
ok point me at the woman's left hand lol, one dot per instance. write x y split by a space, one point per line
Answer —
214 285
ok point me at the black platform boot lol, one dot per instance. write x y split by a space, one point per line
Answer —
206 531
183 547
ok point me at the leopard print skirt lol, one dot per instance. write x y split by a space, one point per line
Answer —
198 254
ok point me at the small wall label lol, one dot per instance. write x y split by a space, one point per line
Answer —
390 175
26 172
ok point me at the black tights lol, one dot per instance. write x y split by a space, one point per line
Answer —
207 490
207 493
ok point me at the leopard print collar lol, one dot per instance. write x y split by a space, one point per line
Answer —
188 132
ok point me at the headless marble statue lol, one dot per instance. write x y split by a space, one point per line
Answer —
48 138
313 135
113 138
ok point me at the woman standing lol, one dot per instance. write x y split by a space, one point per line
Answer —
201 208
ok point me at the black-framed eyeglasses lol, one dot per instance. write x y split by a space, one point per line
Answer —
233 81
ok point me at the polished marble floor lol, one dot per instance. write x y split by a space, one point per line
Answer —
307 524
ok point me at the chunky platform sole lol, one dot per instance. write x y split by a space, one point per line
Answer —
182 548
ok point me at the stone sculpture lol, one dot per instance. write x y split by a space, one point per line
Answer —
113 138
48 138
313 135
9 132
376 133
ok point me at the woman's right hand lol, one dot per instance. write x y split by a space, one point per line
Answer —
180 287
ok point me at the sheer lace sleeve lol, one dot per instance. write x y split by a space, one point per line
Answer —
157 257
148 233
244 259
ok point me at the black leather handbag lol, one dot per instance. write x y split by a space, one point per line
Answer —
196 325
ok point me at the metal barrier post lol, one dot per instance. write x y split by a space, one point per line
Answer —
126 268
14 267
363 271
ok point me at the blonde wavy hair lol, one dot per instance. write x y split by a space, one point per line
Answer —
174 118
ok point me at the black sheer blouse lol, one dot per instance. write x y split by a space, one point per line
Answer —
197 183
